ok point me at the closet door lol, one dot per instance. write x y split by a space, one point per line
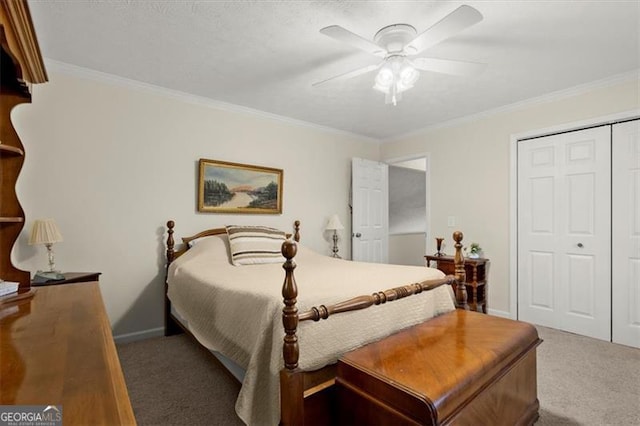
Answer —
626 233
564 232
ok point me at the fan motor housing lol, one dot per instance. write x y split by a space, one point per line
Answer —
395 37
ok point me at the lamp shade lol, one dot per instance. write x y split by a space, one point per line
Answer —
334 224
45 231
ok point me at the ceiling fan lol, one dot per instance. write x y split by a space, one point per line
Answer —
398 44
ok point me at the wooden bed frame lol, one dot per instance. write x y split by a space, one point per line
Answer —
172 326
309 397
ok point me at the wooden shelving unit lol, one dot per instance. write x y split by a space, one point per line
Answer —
15 219
10 150
21 66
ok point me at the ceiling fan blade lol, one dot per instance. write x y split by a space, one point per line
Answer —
447 66
461 18
350 74
338 33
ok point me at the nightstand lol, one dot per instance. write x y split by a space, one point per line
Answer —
475 276
69 278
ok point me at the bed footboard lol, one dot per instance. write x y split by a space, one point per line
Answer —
295 394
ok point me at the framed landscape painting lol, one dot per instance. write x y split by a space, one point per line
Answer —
238 188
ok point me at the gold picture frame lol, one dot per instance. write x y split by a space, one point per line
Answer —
225 187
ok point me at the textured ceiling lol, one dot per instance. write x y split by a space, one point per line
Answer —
265 55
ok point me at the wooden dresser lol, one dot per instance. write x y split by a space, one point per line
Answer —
57 349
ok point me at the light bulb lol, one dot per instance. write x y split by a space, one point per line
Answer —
384 77
408 75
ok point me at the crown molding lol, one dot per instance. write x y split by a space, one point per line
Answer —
99 76
102 77
549 97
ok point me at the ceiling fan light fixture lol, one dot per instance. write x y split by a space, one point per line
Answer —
396 76
396 43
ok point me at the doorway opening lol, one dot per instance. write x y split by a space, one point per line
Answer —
408 210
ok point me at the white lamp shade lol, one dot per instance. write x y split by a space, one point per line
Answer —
334 224
45 231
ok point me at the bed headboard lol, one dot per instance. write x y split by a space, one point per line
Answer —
171 326
172 253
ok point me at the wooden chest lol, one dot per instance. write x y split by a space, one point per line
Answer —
461 368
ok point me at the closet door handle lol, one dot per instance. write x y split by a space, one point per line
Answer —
580 245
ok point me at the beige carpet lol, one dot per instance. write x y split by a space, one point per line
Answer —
172 381
581 381
584 381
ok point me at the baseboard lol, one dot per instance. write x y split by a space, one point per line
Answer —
497 313
139 335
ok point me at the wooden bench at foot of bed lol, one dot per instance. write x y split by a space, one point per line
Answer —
462 368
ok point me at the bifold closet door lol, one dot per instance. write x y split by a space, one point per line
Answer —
564 231
626 233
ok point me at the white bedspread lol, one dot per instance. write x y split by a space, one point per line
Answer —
237 310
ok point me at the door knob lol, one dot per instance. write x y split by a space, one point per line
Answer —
580 245
357 235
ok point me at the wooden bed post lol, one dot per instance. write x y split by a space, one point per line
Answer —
458 260
291 378
170 242
296 235
170 326
290 311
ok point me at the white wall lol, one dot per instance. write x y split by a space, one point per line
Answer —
470 168
112 163
407 249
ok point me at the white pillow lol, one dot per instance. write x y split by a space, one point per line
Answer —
251 245
196 241
214 247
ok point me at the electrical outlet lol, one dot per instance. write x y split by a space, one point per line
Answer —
451 221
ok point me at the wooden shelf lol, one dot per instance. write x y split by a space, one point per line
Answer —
10 150
9 219
20 66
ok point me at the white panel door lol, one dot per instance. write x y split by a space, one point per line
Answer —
564 232
626 234
370 215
